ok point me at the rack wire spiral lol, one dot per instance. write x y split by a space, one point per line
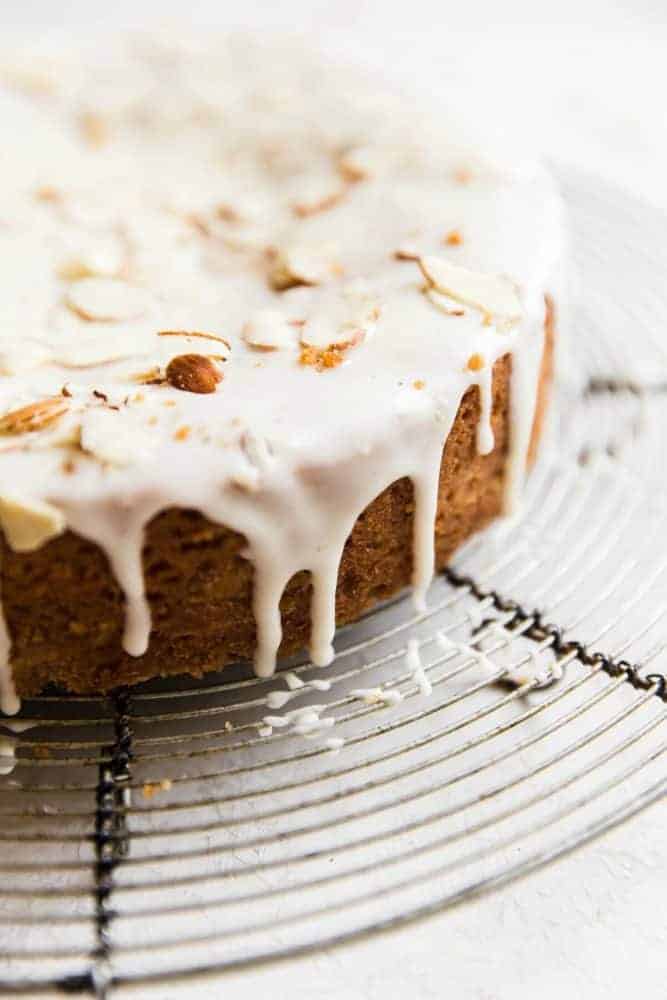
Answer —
168 831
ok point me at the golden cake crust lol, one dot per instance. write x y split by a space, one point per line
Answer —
64 609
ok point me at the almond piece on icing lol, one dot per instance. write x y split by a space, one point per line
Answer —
34 417
28 524
193 373
358 164
293 266
115 437
493 294
268 330
107 300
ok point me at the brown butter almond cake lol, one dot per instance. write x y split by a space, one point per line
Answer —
272 345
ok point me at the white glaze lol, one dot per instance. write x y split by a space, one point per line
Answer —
287 455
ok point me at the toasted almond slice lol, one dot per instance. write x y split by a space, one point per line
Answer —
107 300
34 417
22 355
297 265
445 303
115 437
269 330
493 294
321 333
223 351
345 323
28 524
317 202
358 164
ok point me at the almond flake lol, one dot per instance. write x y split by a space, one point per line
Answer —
88 257
358 164
18 356
322 333
445 303
305 207
34 417
492 294
114 437
28 524
196 334
268 330
107 300
292 266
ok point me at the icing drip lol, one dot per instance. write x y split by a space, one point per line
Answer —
485 440
9 701
416 668
323 611
119 531
425 484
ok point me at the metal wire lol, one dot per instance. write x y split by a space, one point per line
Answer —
171 831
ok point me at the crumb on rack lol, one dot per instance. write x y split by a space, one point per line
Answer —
152 788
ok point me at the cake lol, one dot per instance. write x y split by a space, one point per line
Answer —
274 342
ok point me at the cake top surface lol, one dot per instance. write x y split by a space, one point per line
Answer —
248 209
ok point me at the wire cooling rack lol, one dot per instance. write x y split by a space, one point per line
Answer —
172 830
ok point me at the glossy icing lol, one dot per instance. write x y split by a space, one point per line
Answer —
155 203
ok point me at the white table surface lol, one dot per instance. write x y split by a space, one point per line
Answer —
585 82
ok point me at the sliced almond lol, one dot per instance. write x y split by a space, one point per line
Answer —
21 355
345 323
87 257
28 524
223 350
34 417
297 265
115 437
107 300
492 294
358 164
320 332
317 202
269 330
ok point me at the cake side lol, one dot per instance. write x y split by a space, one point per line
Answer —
65 613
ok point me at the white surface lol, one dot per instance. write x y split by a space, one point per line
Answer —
589 81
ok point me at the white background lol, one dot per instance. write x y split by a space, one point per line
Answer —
585 82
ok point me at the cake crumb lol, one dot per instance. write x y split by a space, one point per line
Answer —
183 433
48 194
152 788
94 129
475 362
463 175
453 238
418 383
322 358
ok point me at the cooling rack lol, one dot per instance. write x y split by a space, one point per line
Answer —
178 830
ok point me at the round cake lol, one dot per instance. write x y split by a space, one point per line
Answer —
273 344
